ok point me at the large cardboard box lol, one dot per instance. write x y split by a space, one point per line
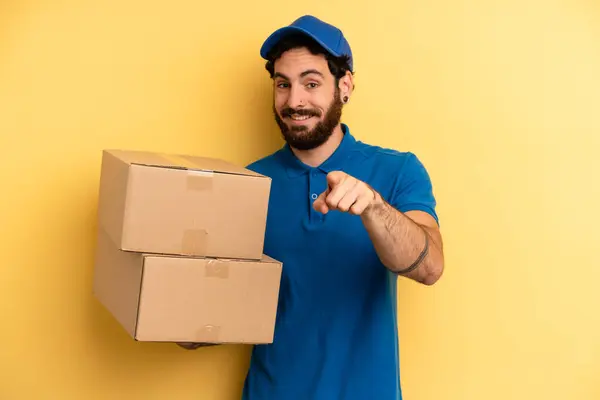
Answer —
182 205
162 298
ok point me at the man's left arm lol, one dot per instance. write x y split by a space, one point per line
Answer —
405 236
409 244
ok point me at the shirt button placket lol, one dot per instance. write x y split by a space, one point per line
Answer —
314 191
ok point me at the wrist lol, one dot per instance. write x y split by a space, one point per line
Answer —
376 204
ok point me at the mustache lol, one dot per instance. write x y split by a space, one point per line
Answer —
288 112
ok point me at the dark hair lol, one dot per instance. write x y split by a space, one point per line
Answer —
338 66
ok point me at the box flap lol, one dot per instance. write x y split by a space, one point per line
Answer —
181 161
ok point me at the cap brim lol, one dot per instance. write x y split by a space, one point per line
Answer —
281 33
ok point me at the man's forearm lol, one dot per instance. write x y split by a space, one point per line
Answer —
401 243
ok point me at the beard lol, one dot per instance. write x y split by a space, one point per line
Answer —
300 137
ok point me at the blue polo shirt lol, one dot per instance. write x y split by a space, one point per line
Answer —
336 328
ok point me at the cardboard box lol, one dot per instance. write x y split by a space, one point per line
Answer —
163 298
182 205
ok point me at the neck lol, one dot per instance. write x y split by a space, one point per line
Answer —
319 155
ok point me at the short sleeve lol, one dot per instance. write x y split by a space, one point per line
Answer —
414 190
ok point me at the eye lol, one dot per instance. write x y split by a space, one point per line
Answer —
283 85
312 85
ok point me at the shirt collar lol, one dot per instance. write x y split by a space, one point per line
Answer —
295 167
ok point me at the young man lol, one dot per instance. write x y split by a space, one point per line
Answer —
346 219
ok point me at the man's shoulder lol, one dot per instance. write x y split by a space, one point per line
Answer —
390 159
403 176
265 165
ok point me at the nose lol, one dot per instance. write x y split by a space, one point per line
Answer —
297 97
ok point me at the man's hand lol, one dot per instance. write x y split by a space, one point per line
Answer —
345 193
193 346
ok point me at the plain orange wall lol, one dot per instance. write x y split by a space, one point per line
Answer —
500 99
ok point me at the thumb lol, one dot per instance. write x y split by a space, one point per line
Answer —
320 204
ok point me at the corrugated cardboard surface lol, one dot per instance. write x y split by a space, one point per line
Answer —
187 299
182 205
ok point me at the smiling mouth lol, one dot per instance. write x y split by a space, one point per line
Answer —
297 117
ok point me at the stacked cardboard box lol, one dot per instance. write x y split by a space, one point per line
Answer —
179 253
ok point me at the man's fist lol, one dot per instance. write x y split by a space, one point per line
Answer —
193 346
344 193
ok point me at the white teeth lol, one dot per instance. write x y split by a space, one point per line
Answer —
296 117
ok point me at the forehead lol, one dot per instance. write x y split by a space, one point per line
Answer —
294 62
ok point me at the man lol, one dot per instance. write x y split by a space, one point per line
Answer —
345 218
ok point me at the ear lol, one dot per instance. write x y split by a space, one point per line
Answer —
346 85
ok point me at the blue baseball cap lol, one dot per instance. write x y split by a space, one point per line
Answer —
327 35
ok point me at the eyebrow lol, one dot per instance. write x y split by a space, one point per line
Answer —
302 75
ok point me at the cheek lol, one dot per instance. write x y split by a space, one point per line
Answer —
322 101
279 100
